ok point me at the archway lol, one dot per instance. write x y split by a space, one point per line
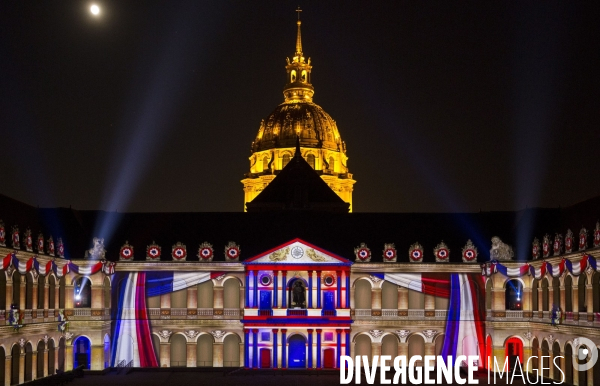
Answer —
204 351
535 361
51 292
488 294
416 346
581 293
41 347
231 293
82 292
389 296
28 361
61 354
513 350
15 352
556 362
231 350
81 352
389 346
178 351
556 292
545 360
362 346
205 294
439 343
3 292
106 351
51 357
62 284
534 295
41 292
16 289
106 288
512 294
28 291
596 373
596 291
297 286
297 352
362 295
568 365
583 375
568 294
545 295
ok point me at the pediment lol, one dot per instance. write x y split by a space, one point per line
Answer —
298 252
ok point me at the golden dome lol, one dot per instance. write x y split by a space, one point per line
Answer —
302 119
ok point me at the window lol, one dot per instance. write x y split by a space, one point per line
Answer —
83 293
265 163
331 164
265 336
328 337
311 160
303 78
293 76
286 160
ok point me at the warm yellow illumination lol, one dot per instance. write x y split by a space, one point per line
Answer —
95 10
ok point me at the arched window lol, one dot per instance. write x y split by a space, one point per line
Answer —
304 76
293 76
82 293
331 164
581 293
545 295
534 296
513 295
285 161
81 352
311 160
265 163
568 294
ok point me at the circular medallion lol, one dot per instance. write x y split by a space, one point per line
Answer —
206 253
442 254
233 253
154 252
265 280
416 254
469 254
328 280
126 253
297 252
179 253
363 254
389 253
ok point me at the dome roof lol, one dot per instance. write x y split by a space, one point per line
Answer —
302 119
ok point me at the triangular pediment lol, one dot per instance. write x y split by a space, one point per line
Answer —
298 251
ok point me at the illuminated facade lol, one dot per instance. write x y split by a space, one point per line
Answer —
320 141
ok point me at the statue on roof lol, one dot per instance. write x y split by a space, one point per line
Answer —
501 251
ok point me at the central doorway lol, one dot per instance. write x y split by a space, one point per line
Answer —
329 358
297 352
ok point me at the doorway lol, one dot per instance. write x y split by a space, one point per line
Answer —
297 352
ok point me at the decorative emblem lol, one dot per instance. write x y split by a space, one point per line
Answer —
218 334
469 252
165 334
314 256
15 318
389 253
108 267
61 248
50 242
206 252
28 240
583 235
535 249
546 246
40 244
329 280
63 322
279 255
232 251
2 234
179 252
557 245
402 334
297 252
597 235
46 339
22 342
98 251
191 333
415 253
441 252
126 252
265 279
362 253
429 334
375 333
153 251
576 342
551 339
528 335
68 336
569 241
500 251
16 240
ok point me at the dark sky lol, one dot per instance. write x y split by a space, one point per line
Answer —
444 106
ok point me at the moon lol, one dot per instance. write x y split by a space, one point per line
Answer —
95 10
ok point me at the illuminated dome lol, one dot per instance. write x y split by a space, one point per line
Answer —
298 117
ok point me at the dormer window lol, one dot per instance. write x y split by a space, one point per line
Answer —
293 76
303 78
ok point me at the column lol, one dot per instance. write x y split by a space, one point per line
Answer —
429 301
55 359
255 288
376 301
429 348
97 359
589 300
275 288
283 293
403 300
575 301
242 354
22 367
283 348
46 294
165 301
246 347
68 357
69 289
310 348
45 363
310 289
254 348
247 289
34 302
347 342
242 297
403 349
540 297
191 351
218 354
97 295
319 331
275 331
319 273
165 354
338 287
218 300
527 306
347 288
34 365
339 347
526 356
498 300
563 305
9 300
7 368
56 296
376 349
192 298
22 293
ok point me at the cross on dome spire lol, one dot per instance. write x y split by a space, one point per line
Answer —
298 53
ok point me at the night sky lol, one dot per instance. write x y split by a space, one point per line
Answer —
444 106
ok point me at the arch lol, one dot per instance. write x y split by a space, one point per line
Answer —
555 353
106 292
265 163
389 295
28 290
41 347
41 288
231 293
179 298
568 364
16 289
62 285
51 292
82 292
61 354
304 76
15 352
311 160
297 351
204 350
291 284
513 350
568 293
362 345
513 292
545 295
362 294
439 343
106 350
596 371
534 295
231 350
3 291
51 357
285 160
596 291
205 294
331 162
545 360
581 294
555 292
535 352
82 352
389 346
292 76
178 350
488 294
28 361
416 346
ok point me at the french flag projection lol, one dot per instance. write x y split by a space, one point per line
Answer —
51 266
133 340
465 318
545 268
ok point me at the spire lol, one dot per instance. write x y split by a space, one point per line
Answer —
299 37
